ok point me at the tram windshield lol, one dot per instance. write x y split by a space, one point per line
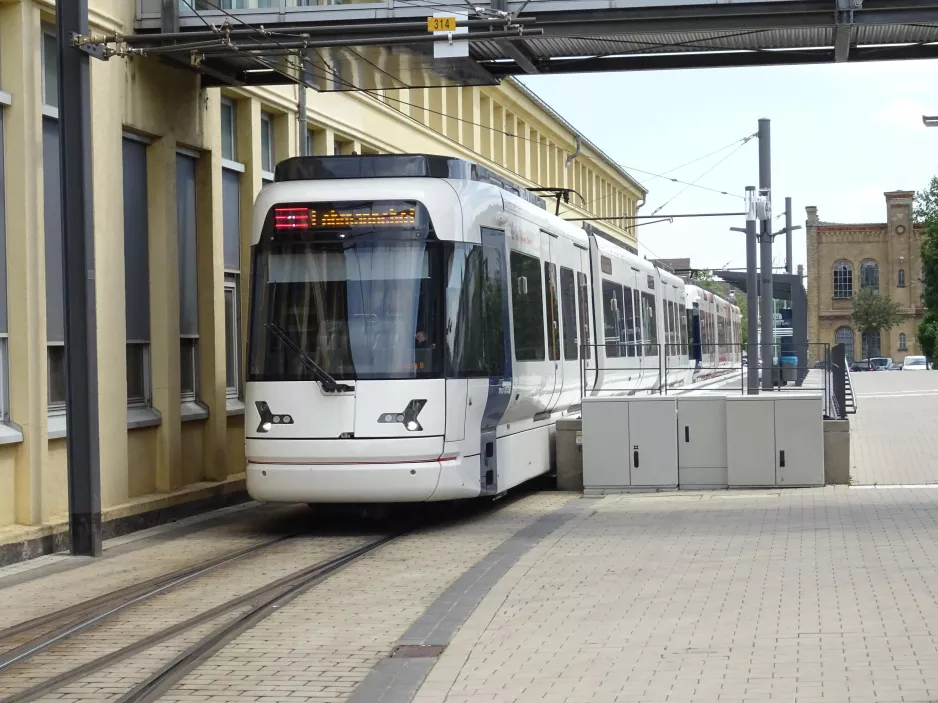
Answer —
360 300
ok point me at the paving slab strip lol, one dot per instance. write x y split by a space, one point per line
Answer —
397 677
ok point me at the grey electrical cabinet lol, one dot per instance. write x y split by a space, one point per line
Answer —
701 441
629 442
774 439
799 441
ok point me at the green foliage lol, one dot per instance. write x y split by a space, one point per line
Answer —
926 203
928 334
872 311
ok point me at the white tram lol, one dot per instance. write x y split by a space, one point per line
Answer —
416 327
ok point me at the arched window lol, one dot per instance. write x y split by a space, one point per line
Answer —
844 335
869 276
843 279
871 344
901 282
902 342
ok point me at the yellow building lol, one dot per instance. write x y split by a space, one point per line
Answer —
176 169
842 258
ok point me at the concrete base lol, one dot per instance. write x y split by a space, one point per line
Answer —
837 452
569 455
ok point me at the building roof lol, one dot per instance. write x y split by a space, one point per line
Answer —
557 116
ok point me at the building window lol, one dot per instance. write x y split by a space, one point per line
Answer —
901 278
188 277
843 279
232 338
4 356
871 344
136 271
55 293
844 335
902 343
231 225
228 130
50 67
869 276
267 147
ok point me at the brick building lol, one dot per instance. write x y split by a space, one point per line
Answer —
842 258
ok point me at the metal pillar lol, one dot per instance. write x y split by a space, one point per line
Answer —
84 480
752 295
766 313
303 137
788 230
169 17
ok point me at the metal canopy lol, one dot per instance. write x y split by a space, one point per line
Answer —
385 45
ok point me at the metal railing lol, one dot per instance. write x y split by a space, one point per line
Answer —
629 368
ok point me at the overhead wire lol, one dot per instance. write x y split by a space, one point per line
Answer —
377 96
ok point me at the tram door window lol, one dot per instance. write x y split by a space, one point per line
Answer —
649 325
629 322
637 305
527 308
474 337
583 293
568 313
612 317
553 324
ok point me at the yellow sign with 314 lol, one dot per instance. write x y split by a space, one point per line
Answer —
441 24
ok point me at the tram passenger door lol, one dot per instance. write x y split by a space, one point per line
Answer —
550 254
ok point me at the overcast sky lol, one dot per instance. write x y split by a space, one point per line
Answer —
842 135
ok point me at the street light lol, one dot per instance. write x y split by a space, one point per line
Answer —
930 120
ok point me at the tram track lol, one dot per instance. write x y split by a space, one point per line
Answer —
248 608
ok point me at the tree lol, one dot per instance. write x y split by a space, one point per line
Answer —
926 213
873 312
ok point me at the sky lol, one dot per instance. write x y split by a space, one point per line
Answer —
841 135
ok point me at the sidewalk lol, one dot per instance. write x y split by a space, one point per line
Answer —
799 595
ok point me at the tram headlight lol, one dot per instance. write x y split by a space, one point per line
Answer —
266 426
412 426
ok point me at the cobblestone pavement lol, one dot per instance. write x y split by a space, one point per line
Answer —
798 595
893 437
318 647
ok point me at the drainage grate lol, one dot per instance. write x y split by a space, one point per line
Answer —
412 651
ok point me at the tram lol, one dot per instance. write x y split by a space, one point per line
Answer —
416 328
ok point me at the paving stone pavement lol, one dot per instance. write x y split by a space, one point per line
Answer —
892 436
801 595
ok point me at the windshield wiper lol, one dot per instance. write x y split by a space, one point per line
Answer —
329 384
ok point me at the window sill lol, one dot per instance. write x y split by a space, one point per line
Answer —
57 426
10 433
234 407
143 416
193 410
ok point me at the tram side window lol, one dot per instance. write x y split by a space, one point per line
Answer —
629 338
527 307
550 300
568 313
474 331
649 325
583 296
612 318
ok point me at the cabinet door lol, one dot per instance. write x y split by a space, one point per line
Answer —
799 442
701 433
750 446
653 436
606 444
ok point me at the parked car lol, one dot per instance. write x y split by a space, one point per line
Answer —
880 363
861 365
915 363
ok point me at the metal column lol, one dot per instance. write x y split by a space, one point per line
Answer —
788 230
766 313
303 136
752 295
84 481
